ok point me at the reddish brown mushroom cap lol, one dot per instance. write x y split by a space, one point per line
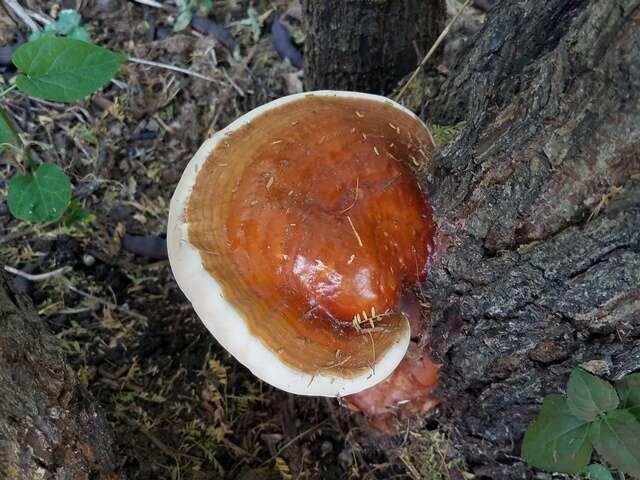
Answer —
292 231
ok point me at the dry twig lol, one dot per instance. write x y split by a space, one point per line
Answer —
432 50
292 441
61 271
40 277
12 6
106 303
153 3
166 66
226 94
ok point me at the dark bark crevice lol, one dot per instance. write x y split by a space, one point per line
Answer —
525 286
367 46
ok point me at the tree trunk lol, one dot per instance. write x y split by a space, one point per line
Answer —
538 210
50 427
368 45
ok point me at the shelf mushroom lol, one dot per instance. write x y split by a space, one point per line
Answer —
293 230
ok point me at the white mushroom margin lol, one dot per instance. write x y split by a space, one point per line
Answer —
228 325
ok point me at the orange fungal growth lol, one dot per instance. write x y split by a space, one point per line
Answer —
408 390
293 232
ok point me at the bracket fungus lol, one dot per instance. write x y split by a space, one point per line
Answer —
293 230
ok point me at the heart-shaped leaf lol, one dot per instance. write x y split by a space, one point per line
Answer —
41 197
588 396
557 440
616 437
64 69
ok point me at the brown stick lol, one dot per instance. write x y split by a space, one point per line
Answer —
431 51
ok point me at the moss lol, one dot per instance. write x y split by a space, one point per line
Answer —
429 454
443 134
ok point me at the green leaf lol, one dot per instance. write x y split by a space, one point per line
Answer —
67 24
629 392
80 33
64 69
616 437
67 21
8 135
38 35
557 441
41 197
252 21
183 20
588 396
205 6
595 471
76 213
635 411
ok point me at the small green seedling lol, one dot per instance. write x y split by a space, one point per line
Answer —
253 23
59 69
592 414
185 12
76 213
442 135
41 197
67 25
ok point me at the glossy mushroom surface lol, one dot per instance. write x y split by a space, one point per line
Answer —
409 390
306 219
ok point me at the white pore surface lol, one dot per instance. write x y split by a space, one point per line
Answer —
225 323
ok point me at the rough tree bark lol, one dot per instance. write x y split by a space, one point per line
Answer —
538 210
368 45
50 427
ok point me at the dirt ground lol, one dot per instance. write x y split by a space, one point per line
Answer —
179 405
